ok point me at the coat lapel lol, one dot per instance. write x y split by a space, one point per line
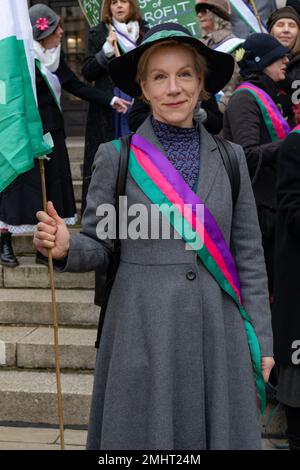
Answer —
210 160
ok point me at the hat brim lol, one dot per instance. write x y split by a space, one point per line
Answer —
220 66
214 9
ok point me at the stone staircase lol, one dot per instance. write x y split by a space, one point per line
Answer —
27 375
27 369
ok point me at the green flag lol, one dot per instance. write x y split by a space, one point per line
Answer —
21 132
153 11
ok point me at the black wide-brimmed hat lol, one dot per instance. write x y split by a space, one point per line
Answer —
123 69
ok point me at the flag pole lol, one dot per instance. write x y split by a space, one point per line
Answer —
255 11
54 316
115 44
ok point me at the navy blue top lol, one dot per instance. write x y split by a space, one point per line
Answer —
182 148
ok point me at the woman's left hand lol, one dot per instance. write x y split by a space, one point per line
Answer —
267 364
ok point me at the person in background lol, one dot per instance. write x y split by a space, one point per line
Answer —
241 25
285 314
214 18
284 25
20 200
258 119
121 25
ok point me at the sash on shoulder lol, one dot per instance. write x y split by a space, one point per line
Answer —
52 82
229 45
165 187
247 15
277 126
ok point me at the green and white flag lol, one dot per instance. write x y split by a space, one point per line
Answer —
21 132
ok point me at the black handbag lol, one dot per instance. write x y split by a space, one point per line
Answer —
104 279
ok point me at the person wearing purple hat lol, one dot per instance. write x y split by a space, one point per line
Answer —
186 343
259 115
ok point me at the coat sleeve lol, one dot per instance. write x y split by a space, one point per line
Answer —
244 119
249 257
138 113
214 121
71 83
90 249
95 63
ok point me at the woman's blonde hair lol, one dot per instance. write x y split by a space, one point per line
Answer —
200 63
134 12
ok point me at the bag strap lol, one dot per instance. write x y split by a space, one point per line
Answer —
121 183
231 164
115 258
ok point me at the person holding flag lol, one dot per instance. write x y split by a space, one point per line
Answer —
186 343
23 197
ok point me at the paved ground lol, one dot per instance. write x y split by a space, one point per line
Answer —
17 438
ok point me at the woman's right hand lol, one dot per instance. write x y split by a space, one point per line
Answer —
51 232
112 38
121 105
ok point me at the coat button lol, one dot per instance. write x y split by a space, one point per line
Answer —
191 275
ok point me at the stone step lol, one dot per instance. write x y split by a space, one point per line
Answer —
23 245
30 397
75 147
31 275
77 186
33 307
78 210
32 347
76 170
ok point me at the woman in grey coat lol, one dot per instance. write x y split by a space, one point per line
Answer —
186 345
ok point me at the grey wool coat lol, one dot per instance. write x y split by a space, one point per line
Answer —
173 370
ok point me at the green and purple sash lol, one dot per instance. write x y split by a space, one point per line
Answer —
277 126
166 188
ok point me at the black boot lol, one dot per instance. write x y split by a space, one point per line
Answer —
7 256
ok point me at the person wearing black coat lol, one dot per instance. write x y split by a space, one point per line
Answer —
285 315
244 125
20 201
100 124
209 115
